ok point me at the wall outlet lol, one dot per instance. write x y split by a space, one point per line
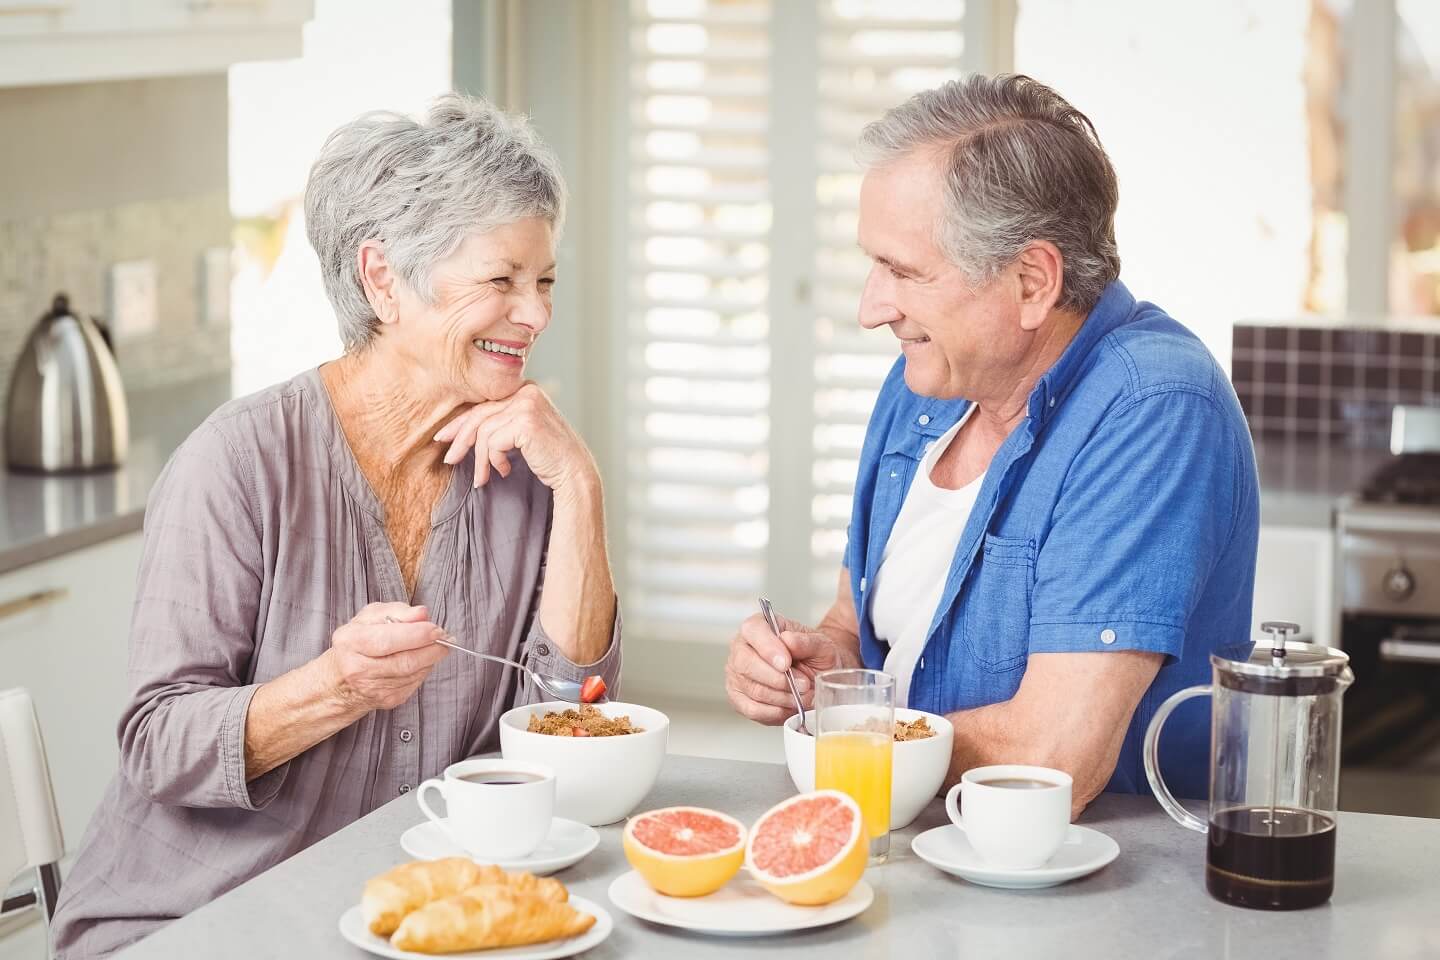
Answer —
132 308
214 287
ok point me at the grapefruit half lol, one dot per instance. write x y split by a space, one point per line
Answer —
685 851
810 849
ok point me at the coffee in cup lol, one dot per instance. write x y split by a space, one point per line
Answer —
1015 817
497 809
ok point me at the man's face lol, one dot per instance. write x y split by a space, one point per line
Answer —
958 341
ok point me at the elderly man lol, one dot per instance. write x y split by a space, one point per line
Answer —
1056 511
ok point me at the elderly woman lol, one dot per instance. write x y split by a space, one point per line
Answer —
307 545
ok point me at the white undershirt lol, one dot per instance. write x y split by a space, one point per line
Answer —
916 563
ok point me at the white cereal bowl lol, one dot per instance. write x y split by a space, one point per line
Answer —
598 780
918 771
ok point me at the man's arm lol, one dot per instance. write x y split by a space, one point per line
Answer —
1070 713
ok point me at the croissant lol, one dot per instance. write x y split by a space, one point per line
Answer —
546 888
488 916
395 893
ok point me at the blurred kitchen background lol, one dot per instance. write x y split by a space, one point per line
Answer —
1279 163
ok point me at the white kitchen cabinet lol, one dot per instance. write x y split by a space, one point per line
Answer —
1294 580
68 647
70 41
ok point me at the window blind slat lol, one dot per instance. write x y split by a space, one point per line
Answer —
696 405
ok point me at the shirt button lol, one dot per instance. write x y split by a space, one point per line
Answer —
404 788
924 419
1107 636
862 583
542 650
406 736
1052 401
893 474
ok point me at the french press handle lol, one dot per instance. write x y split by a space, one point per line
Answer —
1152 759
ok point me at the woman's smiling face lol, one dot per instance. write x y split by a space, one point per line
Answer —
491 302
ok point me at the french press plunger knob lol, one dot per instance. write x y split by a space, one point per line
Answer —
1279 631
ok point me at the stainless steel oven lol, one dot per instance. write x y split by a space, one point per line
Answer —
1388 572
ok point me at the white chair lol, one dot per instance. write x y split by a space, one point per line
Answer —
30 836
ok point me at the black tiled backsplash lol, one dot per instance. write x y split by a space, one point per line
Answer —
1336 385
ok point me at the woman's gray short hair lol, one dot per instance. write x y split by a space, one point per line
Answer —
1021 164
420 187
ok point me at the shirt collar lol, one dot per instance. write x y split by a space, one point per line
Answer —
1115 307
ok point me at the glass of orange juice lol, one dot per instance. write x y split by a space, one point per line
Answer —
854 742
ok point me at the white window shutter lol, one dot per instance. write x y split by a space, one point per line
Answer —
697 353
873 55
747 380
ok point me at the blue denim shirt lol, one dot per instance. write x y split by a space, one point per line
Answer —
1121 514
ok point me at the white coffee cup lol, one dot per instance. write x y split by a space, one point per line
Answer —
504 819
1017 826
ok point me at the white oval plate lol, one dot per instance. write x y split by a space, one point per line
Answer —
742 908
947 848
568 842
352 928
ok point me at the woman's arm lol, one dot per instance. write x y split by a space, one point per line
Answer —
374 663
195 733
577 604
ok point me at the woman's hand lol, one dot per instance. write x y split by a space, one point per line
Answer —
377 663
526 421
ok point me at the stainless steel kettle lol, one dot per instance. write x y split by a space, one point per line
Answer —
66 410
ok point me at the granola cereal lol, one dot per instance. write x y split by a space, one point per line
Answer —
917 729
588 721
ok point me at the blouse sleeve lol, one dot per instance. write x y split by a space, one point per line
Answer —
192 634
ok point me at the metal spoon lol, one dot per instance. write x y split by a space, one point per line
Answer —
555 687
789 674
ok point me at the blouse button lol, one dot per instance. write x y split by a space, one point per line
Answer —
404 788
406 736
924 419
1107 636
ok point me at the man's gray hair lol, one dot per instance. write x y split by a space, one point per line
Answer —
419 188
1021 164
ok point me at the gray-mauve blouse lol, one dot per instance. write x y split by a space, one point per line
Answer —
262 537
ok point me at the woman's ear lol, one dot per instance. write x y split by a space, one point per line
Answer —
379 280
1042 277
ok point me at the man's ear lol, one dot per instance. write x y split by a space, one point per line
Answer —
1040 270
379 281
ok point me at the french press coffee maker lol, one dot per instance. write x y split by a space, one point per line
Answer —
1274 772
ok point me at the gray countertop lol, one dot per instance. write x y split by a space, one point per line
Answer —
1150 902
46 516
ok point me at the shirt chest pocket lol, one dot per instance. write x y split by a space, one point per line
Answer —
995 613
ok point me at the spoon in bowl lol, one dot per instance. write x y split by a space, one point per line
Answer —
557 688
789 674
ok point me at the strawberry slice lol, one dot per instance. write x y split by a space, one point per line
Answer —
592 689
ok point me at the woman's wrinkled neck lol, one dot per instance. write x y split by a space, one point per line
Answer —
389 409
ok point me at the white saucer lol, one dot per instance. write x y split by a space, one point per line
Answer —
352 928
741 908
947 848
567 843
